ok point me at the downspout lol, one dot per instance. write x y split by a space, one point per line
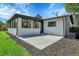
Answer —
17 27
63 27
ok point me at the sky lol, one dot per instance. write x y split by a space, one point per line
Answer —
46 10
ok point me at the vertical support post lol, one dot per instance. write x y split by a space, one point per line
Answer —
17 27
42 27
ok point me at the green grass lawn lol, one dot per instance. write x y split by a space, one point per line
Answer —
9 47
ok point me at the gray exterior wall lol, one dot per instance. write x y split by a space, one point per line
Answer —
62 27
27 31
57 30
13 30
67 24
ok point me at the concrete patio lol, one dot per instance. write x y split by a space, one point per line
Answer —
62 47
41 41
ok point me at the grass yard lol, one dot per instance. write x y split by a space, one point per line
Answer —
9 47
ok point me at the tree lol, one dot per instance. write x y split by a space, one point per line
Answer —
3 26
38 16
1 23
72 7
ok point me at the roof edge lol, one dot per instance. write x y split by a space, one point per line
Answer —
20 15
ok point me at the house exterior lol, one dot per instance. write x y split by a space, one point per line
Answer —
26 25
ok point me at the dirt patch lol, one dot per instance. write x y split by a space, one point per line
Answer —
64 47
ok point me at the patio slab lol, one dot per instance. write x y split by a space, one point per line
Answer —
41 42
63 47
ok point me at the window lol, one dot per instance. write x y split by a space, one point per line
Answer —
26 23
15 24
52 24
9 24
35 24
12 23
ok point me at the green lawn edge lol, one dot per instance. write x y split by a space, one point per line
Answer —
9 47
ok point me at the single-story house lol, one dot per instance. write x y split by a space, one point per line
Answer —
26 25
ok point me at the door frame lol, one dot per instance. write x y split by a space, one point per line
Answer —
42 27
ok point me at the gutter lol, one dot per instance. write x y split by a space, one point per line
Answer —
17 28
63 27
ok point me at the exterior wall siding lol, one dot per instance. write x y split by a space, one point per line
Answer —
27 31
61 29
12 31
58 30
67 24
